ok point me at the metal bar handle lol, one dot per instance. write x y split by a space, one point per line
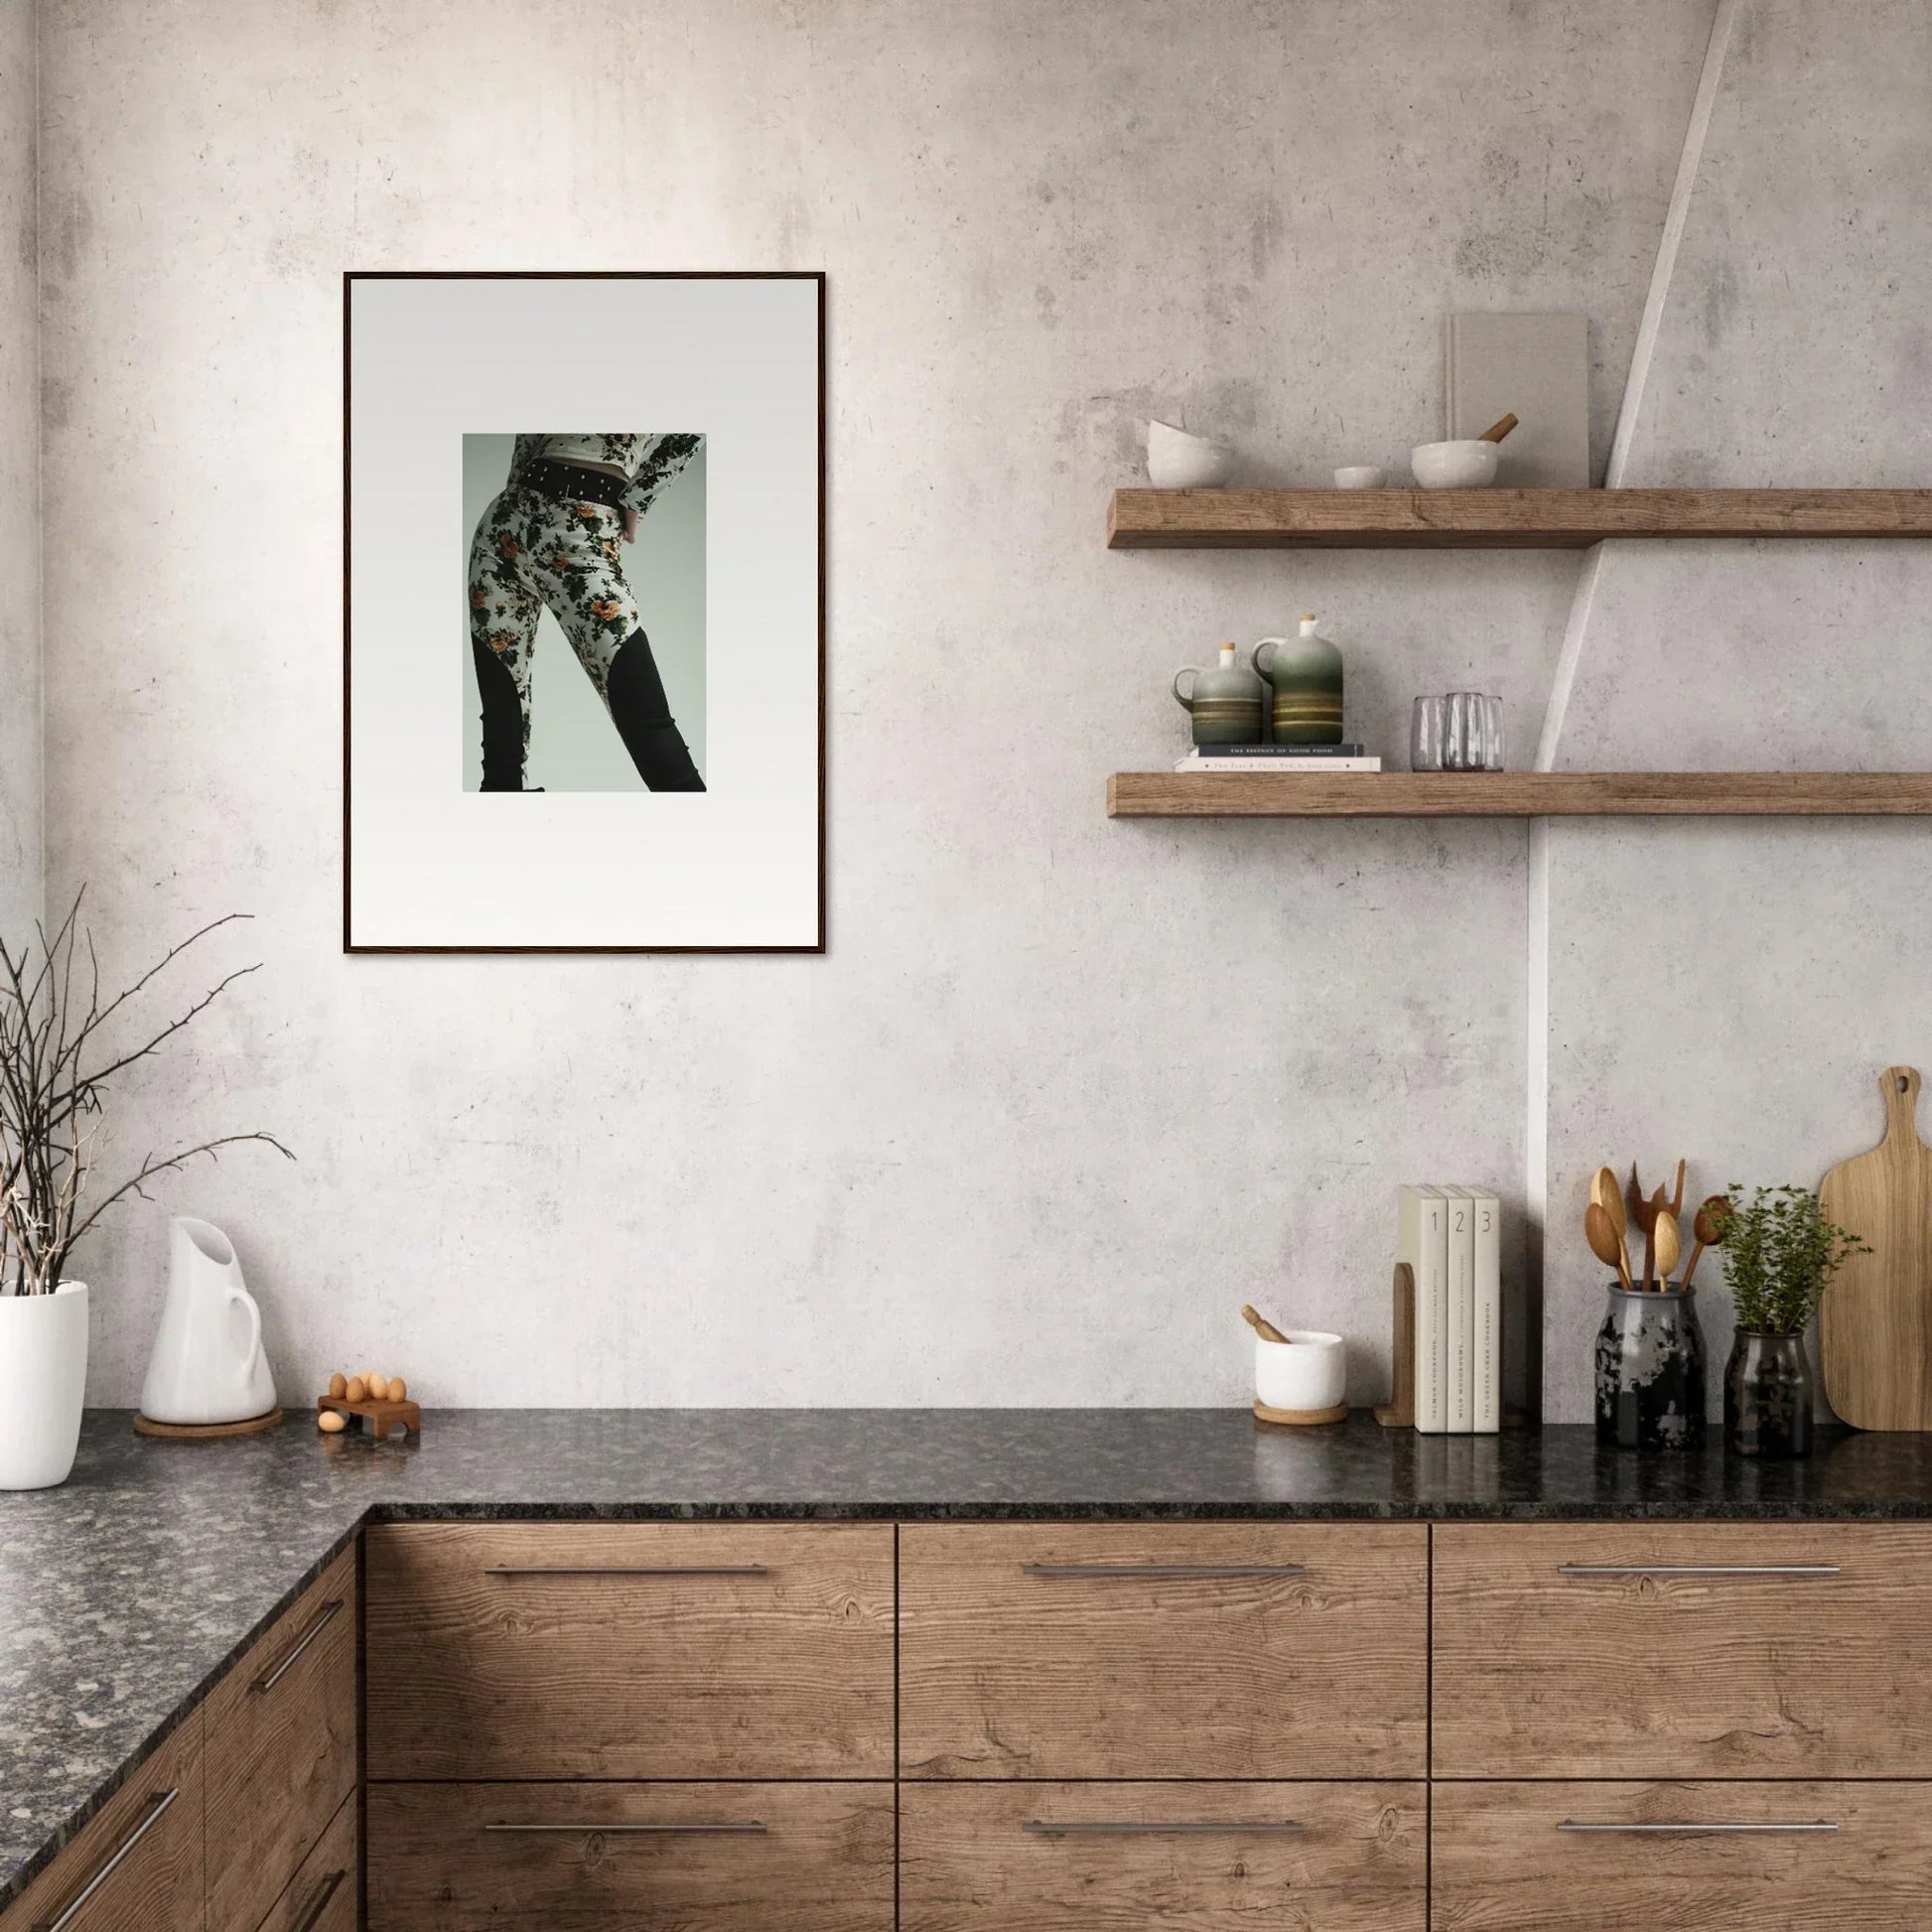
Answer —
629 1570
1697 1570
319 1904
1162 1569
1133 1827
751 1826
1703 1826
157 1804
263 1685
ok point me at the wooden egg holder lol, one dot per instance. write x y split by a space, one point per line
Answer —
381 1417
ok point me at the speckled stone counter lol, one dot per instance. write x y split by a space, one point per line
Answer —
124 1594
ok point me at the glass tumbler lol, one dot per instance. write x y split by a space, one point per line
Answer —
1425 731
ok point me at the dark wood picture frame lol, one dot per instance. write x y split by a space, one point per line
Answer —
349 278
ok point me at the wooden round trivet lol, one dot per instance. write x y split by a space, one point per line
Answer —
1301 1417
205 1432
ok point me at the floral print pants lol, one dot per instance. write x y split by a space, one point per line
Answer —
531 550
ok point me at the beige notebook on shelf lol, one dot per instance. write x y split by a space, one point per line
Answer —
1536 367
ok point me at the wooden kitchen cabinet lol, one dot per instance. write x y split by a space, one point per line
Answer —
1777 1855
136 1865
1211 1650
633 1651
1190 1857
322 1896
281 1751
631 1858
1683 1650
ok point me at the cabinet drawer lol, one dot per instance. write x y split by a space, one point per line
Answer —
651 1650
136 1865
322 1896
621 1858
1726 1650
281 1751
1509 1858
1219 1650
1341 1857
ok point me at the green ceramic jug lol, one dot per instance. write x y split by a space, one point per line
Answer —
1225 702
1305 672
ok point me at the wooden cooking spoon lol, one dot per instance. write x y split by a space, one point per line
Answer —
1654 1210
1605 1243
1670 1245
1707 1229
1677 1198
1262 1327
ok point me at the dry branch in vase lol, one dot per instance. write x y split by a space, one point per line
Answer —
55 1063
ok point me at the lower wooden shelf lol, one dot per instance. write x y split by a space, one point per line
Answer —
1519 794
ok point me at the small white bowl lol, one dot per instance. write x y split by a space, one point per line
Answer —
1360 476
1307 1372
1177 461
1455 466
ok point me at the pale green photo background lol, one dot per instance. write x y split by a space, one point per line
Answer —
574 746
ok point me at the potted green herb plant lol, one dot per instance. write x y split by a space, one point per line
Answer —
63 1040
1780 1254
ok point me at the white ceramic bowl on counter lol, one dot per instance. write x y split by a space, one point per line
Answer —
1307 1373
1177 461
1470 465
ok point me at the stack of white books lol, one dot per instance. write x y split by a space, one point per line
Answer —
1304 758
1450 1238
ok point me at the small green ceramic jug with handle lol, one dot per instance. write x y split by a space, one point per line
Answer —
1225 702
1305 672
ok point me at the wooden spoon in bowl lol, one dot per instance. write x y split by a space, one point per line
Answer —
1498 429
1605 1242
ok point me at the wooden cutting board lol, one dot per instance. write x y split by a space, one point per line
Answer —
1875 1325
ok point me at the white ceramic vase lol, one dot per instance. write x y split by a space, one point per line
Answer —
42 1382
208 1363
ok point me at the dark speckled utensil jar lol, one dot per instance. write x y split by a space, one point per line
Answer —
1769 1396
1650 1371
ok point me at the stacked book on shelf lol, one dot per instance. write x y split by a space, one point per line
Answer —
1279 757
1450 1238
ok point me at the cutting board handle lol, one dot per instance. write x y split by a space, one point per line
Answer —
1900 1085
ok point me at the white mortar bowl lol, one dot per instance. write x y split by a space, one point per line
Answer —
1455 466
1177 461
1309 1370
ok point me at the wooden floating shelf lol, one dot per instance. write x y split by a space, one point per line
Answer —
1519 794
1497 519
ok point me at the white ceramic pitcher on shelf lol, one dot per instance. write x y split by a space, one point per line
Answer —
208 1364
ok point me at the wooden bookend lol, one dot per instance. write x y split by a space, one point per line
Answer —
1399 1412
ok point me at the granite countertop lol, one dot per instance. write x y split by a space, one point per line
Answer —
125 1594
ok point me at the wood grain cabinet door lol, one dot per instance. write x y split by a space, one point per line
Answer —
647 1650
322 1896
136 1865
1781 1856
1194 1857
1715 1650
628 1857
1215 1650
281 1751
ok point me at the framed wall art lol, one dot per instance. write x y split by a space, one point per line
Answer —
583 670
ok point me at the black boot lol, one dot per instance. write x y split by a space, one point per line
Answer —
502 722
643 716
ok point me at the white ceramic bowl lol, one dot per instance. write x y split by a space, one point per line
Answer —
1177 461
1309 1370
1360 476
1455 466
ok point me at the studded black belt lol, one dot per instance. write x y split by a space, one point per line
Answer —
571 482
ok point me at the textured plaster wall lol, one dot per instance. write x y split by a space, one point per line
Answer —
20 446
1064 1093
1733 991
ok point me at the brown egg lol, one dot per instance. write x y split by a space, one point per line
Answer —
357 1390
398 1389
338 1386
378 1387
332 1422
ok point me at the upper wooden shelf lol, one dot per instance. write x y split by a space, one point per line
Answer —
1517 794
1497 519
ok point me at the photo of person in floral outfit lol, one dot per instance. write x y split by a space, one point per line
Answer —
553 539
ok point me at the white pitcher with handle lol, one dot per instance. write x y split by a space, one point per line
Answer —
208 1364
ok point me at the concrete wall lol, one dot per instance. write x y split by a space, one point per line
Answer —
20 450
1064 1093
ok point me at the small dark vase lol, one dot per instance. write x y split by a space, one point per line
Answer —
1769 1396
1650 1371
